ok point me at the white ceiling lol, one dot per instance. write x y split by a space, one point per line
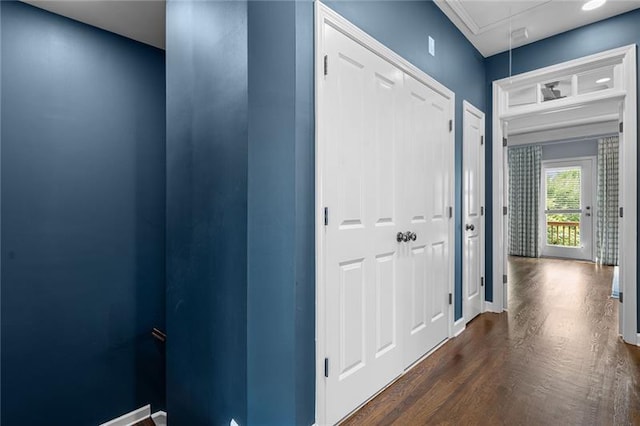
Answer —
142 20
488 23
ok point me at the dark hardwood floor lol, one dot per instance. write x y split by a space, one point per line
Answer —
553 359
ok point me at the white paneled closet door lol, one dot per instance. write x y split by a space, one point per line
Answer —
427 177
384 179
362 192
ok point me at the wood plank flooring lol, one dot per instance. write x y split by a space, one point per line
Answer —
553 359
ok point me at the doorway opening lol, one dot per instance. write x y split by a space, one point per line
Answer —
565 218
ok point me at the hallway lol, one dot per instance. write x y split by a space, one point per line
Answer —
554 358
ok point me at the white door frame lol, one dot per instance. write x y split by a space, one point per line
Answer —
468 107
542 221
325 15
626 92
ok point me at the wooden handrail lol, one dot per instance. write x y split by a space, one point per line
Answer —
573 224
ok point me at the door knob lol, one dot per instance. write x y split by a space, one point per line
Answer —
401 238
469 227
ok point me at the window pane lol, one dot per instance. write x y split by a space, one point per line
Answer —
563 188
595 80
525 96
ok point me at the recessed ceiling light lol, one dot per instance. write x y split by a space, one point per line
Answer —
593 4
603 80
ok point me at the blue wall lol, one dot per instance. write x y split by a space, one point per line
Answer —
0 213
615 32
281 287
240 225
83 197
305 279
207 109
404 27
271 296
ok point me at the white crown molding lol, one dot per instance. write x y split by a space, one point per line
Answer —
457 7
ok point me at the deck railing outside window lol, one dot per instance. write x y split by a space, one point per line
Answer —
563 234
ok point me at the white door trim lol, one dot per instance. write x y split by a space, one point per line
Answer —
468 107
627 93
324 15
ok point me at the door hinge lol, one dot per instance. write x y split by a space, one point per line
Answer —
504 279
621 211
451 125
620 297
481 281
481 211
481 140
326 216
504 210
504 141
326 367
326 64
621 127
450 299
450 212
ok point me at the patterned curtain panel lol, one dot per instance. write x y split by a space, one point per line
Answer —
607 200
524 200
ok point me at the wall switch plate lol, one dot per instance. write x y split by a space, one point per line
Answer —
432 46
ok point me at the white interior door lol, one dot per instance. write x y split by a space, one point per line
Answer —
472 216
567 211
362 190
427 180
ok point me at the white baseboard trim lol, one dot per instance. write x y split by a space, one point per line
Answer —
458 327
638 340
159 418
130 418
490 307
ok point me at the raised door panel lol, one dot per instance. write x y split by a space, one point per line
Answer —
472 269
352 307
